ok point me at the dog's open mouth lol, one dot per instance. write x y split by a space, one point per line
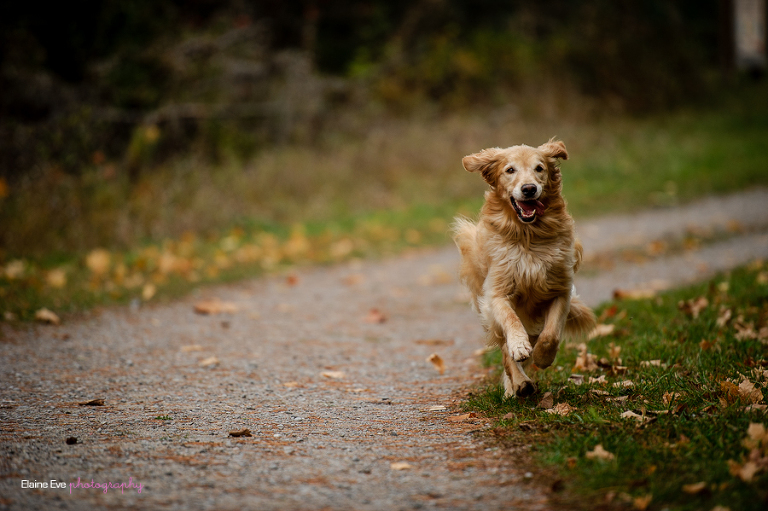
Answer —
528 209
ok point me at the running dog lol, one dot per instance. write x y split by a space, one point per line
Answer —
519 259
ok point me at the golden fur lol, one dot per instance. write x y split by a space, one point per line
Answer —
519 264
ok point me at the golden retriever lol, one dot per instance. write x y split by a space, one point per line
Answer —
519 259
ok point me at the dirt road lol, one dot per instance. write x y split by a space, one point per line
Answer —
326 369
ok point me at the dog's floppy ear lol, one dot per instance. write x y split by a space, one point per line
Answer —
482 162
554 149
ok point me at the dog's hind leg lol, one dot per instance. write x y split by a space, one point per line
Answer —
516 382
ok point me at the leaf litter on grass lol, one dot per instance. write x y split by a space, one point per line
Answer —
676 415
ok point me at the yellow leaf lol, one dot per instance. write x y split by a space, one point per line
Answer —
437 361
98 261
47 316
148 291
56 278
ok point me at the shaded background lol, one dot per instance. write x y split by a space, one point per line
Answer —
122 122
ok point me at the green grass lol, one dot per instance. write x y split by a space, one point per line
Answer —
396 184
687 440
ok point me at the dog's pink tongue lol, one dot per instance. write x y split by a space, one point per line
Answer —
530 205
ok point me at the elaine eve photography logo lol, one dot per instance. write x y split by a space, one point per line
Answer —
104 487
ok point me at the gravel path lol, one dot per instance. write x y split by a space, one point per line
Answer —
328 371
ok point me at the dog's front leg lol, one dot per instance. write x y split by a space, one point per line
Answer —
497 310
545 350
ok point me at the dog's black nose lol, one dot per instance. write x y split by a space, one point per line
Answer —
528 191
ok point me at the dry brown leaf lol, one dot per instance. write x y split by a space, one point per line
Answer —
241 433
561 409
601 331
598 453
695 488
437 408
291 384
669 397
47 316
585 361
614 352
650 363
576 379
694 306
599 392
436 361
463 417
191 347
547 401
434 342
724 316
748 391
208 362
705 345
757 437
642 503
400 465
756 408
746 472
215 306
92 402
333 374
629 414
625 384
600 380
375 316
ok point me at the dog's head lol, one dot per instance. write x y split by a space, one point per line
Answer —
526 177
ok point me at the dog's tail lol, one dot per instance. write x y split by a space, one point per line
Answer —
581 320
471 274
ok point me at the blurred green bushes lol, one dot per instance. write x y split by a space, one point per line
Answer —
87 81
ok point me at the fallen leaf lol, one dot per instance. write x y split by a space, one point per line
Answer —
624 384
547 401
571 462
614 352
633 294
463 417
98 261
756 408
705 345
576 379
437 408
148 291
746 472
695 488
598 453
400 465
215 306
434 342
650 363
333 374
599 392
375 316
241 433
191 347
643 502
748 391
56 278
207 362
694 306
618 398
669 397
584 361
561 409
598 381
47 316
92 402
724 317
437 362
291 384
292 280
629 414
757 436
601 331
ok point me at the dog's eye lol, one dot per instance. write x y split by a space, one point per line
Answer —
511 170
539 168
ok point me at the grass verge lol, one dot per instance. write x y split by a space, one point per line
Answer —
70 243
673 394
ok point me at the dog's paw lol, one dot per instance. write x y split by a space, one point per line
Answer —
519 346
545 352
